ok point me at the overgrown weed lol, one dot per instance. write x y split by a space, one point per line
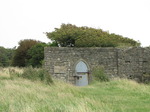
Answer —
99 74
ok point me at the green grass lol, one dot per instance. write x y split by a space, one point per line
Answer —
22 95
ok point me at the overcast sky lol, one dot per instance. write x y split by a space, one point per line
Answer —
28 19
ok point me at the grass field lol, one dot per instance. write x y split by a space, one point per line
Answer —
121 95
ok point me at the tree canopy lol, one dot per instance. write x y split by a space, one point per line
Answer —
5 56
69 35
20 56
36 54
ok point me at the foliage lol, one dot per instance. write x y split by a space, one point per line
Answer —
99 74
37 74
36 54
5 56
30 53
20 56
53 44
69 35
65 36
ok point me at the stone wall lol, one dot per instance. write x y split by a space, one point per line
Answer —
133 63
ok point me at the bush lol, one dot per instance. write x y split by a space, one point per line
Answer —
37 74
99 74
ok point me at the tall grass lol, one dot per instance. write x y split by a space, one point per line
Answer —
23 95
30 73
37 74
10 72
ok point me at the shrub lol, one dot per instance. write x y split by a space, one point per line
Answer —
37 74
99 74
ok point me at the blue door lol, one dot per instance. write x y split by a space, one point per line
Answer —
81 74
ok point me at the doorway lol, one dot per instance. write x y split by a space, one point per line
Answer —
81 74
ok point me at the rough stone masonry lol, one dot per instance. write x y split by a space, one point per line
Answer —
132 63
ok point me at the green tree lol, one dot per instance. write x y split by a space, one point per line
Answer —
5 56
36 54
20 56
65 36
69 35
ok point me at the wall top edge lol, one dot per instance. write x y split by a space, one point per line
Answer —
92 48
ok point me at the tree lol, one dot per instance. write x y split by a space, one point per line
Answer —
20 57
65 36
5 56
36 54
69 35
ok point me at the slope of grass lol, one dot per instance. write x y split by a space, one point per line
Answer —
22 95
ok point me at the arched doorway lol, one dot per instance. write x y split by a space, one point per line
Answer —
81 73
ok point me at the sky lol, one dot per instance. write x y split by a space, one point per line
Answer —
30 19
